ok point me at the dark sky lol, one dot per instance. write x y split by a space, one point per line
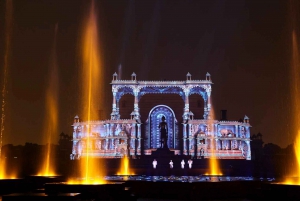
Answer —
244 45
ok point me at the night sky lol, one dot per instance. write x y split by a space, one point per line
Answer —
244 45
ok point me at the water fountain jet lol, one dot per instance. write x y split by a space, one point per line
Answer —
214 168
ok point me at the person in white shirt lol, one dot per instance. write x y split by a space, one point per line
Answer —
182 164
171 164
190 162
154 163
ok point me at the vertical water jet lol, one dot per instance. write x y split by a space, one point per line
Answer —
214 168
92 71
294 92
7 44
51 114
125 167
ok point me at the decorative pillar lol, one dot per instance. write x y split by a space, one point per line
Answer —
112 147
215 132
139 139
205 110
186 109
107 130
118 109
247 132
190 146
248 157
136 109
106 143
184 139
111 130
236 131
114 105
208 103
198 146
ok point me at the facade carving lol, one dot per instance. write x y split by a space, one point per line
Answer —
199 138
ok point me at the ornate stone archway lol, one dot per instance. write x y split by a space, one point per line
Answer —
152 140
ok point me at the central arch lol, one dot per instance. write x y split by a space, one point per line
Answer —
154 118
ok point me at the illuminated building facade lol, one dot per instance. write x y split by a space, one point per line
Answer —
139 134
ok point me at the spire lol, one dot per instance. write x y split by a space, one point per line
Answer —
188 76
208 77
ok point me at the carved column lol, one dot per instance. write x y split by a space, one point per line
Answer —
190 146
118 109
139 139
133 137
186 109
205 110
236 131
114 105
111 130
198 146
106 143
112 147
208 91
247 132
184 140
249 150
107 130
136 92
215 131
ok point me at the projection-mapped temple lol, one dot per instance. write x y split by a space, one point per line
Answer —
137 110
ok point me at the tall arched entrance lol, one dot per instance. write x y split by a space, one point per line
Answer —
152 138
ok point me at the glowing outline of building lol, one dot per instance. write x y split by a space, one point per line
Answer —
118 137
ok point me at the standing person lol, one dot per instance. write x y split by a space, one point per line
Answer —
154 163
171 164
190 162
182 164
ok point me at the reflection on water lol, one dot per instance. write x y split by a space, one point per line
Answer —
172 178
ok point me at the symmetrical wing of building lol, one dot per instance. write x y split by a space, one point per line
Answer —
143 104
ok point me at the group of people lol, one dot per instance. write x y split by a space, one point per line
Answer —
190 162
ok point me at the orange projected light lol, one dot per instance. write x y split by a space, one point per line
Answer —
214 168
125 168
92 95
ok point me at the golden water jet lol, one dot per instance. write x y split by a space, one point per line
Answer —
295 93
91 169
214 168
51 118
125 167
8 29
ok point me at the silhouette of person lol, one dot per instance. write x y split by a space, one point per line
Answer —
182 164
171 164
154 163
163 132
190 162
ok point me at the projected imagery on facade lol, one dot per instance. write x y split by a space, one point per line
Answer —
140 135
